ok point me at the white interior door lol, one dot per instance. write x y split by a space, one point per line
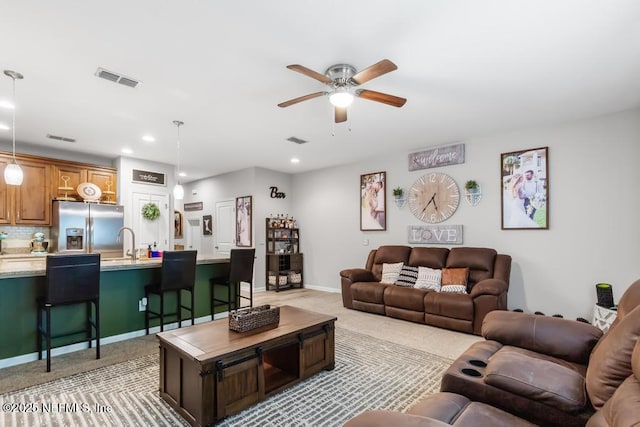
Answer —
148 232
225 231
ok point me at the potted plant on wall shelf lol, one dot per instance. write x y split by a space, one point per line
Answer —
472 192
398 196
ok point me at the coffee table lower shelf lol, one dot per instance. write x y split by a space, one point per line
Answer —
205 385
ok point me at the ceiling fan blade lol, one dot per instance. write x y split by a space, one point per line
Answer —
340 114
385 98
300 99
376 70
310 73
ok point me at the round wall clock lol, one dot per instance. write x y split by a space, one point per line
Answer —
434 197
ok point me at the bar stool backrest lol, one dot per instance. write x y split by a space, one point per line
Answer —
178 270
241 265
72 278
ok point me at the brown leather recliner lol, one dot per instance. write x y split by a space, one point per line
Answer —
547 370
443 409
488 286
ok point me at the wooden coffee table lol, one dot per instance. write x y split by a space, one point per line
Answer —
208 372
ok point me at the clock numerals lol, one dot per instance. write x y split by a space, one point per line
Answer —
434 197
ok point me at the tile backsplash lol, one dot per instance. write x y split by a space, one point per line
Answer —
19 238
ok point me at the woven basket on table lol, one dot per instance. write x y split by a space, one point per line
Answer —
246 319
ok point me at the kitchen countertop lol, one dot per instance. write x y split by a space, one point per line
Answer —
28 265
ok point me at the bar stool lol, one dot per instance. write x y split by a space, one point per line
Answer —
178 274
240 270
70 279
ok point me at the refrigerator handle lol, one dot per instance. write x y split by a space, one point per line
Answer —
89 221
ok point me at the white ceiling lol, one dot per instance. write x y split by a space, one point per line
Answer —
467 68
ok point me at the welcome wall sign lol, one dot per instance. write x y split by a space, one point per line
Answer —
436 157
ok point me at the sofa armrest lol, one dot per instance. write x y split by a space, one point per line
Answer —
566 339
358 275
489 287
379 418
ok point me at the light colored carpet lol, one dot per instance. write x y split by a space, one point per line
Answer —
369 374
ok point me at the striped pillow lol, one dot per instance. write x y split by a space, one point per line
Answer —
408 276
428 278
390 272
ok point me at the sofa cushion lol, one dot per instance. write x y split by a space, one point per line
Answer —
407 298
428 278
389 254
480 261
537 379
449 305
390 272
408 276
368 292
610 361
429 257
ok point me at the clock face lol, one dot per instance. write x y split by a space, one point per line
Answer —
434 197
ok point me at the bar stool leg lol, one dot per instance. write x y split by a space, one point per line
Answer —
146 312
39 330
97 326
161 311
179 291
89 326
48 337
192 307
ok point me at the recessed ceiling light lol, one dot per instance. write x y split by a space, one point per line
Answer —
127 151
4 127
295 160
148 138
182 174
6 104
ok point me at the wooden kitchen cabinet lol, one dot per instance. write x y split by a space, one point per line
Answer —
29 203
106 180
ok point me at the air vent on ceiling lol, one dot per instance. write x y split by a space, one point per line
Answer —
116 78
296 140
60 138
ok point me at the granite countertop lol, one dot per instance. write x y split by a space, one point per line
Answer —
20 265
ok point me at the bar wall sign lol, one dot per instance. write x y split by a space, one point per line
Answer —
195 206
147 177
436 157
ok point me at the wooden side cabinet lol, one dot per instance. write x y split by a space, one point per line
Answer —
29 203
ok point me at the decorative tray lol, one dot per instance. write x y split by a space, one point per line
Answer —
246 319
89 191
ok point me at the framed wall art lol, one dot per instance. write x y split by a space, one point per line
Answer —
373 201
207 225
525 189
243 221
177 224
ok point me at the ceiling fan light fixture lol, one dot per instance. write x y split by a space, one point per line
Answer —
341 98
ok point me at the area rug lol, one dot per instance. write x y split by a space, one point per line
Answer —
370 374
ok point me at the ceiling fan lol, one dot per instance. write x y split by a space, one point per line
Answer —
343 80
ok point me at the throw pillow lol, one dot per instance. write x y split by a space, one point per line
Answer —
428 278
454 280
408 276
390 272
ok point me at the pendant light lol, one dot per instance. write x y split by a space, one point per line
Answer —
13 173
178 190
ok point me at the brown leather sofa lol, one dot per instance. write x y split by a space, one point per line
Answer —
487 286
547 371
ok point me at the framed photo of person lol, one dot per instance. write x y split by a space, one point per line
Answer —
525 189
373 201
177 224
243 221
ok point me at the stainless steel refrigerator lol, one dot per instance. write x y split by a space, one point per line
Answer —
79 227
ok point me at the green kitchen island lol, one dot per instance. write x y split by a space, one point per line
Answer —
122 283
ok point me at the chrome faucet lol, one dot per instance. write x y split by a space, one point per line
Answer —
133 241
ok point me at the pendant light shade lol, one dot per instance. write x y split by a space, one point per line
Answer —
178 190
13 172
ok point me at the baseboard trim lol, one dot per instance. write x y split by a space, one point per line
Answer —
31 357
323 288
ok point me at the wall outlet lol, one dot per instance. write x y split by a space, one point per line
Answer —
142 304
365 242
